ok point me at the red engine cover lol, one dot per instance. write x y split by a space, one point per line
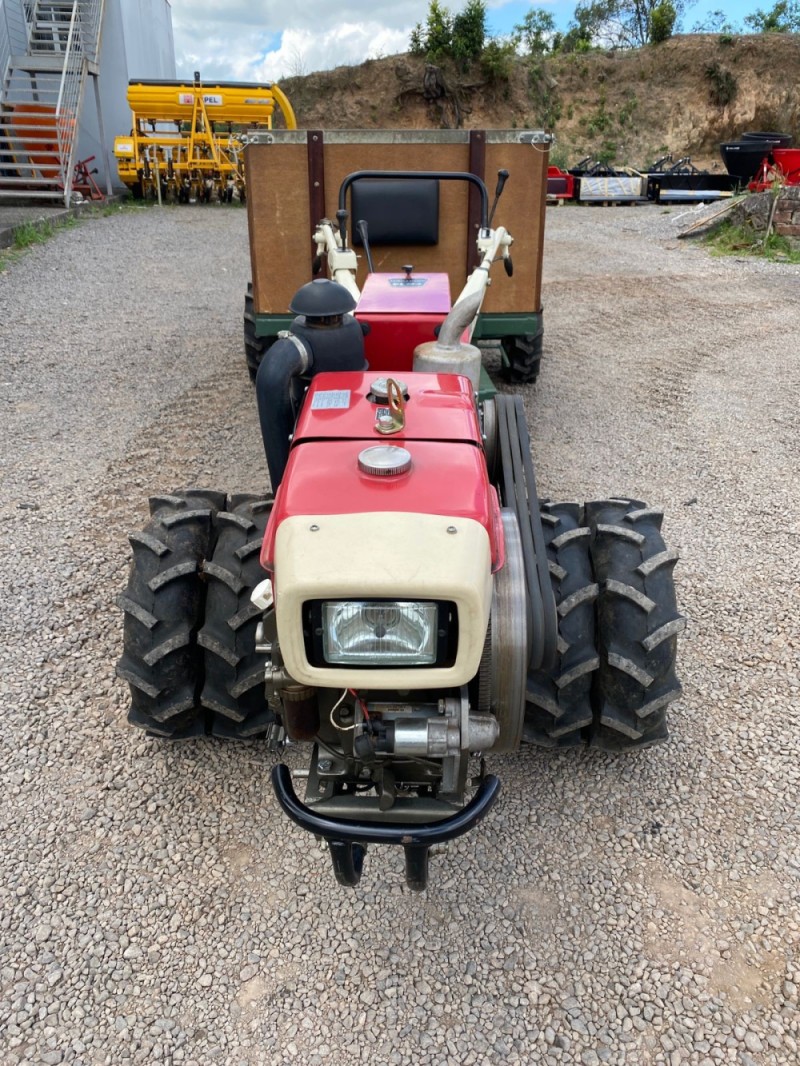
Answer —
439 407
401 312
448 473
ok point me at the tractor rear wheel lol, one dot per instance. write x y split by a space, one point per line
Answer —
163 604
234 673
523 358
254 347
637 625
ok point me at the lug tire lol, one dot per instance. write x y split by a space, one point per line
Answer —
614 677
524 355
233 688
558 701
164 604
637 625
254 347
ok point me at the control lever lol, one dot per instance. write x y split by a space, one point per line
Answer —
502 178
341 218
361 226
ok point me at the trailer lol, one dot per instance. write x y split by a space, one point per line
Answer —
431 227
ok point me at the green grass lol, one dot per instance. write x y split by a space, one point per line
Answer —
730 239
29 234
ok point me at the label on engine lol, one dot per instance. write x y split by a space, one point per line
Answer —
331 400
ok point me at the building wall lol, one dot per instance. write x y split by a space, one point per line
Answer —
136 42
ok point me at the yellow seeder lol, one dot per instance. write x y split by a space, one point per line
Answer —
187 139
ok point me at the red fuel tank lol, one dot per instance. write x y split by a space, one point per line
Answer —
446 474
402 311
346 405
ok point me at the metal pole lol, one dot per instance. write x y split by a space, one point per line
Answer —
106 157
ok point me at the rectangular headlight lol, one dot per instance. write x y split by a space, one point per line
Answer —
379 633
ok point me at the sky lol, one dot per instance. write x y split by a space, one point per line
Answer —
266 40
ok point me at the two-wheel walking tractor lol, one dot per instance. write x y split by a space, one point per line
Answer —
402 602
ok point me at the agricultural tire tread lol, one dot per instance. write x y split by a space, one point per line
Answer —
163 605
558 701
524 358
254 346
637 625
233 689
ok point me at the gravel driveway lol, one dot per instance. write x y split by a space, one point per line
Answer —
154 905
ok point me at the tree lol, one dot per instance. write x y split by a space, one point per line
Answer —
469 32
662 22
715 22
587 28
624 23
536 32
435 39
784 17
461 37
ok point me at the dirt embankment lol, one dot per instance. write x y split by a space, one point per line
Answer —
683 97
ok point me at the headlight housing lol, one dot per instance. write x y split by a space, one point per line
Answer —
381 633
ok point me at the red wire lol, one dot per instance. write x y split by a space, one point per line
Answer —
361 703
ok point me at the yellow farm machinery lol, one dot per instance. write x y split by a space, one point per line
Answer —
187 139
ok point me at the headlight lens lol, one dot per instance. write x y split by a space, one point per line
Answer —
385 633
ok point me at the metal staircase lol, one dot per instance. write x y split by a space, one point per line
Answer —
48 51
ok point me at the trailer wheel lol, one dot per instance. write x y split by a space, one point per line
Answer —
637 625
163 604
234 672
254 347
523 357
558 701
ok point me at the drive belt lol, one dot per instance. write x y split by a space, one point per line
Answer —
518 491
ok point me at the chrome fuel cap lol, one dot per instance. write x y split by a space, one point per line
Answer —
379 389
383 460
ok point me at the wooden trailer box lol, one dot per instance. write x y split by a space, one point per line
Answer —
293 180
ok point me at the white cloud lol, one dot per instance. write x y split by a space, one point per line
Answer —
269 39
266 41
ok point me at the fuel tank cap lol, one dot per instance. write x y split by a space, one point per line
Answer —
383 460
379 390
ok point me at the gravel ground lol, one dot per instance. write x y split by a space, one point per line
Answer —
154 905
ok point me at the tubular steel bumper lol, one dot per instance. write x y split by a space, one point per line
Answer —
347 839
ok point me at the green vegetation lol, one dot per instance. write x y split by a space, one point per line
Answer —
29 234
542 90
497 62
722 84
735 239
32 233
784 17
460 37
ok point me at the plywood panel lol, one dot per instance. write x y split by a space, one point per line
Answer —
279 222
281 225
521 211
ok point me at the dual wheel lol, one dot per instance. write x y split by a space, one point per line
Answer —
614 675
189 632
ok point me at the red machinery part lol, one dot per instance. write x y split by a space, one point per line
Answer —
787 160
447 476
437 407
560 184
402 311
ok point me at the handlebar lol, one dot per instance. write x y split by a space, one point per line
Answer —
434 175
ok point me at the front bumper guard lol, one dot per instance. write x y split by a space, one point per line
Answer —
347 840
